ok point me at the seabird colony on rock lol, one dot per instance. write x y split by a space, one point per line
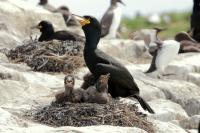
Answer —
108 77
164 52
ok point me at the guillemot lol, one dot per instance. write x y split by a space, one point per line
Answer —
111 20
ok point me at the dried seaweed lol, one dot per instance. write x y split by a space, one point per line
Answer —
52 56
88 114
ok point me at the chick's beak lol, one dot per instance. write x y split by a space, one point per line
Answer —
82 21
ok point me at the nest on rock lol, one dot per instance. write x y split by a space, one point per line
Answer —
88 114
52 56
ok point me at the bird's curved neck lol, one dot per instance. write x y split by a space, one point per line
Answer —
91 44
68 90
92 40
48 32
113 3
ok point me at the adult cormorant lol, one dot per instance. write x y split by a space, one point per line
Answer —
121 83
48 33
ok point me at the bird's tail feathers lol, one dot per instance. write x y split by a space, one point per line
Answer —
144 104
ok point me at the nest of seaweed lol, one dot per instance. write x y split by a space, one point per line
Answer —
89 114
52 56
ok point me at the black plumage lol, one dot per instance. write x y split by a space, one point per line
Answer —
48 33
121 83
195 21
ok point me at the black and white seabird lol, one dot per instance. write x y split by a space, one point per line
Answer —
48 33
121 82
195 21
70 20
163 51
64 10
110 21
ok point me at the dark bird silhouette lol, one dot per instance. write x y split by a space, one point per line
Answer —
121 83
46 5
48 33
195 21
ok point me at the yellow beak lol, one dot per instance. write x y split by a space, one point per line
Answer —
82 20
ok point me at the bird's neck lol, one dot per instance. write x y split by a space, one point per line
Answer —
48 31
150 38
89 48
101 87
68 90
113 3
91 43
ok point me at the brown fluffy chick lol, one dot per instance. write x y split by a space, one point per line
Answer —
78 95
66 95
88 80
99 92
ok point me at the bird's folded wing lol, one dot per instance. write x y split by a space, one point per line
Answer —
118 75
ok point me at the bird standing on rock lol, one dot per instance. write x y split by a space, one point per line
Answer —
163 51
111 20
121 82
48 33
